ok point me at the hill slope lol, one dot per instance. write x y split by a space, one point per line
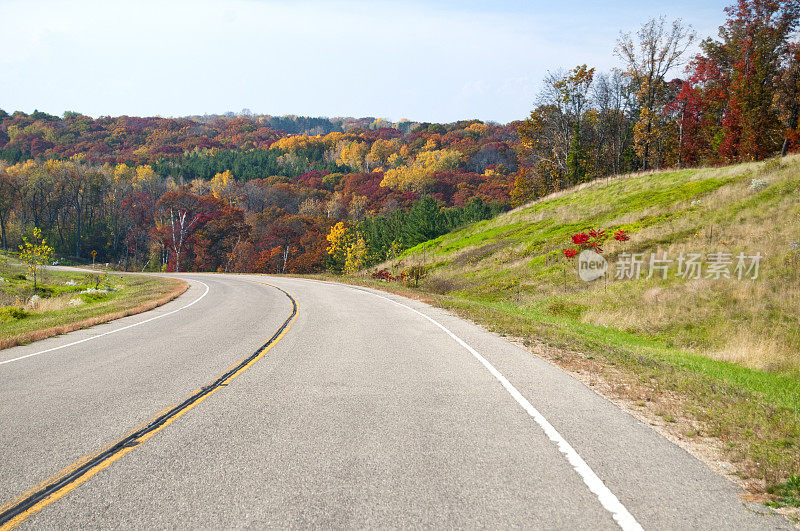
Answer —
721 353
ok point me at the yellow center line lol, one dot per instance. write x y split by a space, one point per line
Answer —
159 421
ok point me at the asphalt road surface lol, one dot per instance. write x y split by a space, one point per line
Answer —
229 408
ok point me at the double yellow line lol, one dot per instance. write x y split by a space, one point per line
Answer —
58 486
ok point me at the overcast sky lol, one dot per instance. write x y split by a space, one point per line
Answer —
423 60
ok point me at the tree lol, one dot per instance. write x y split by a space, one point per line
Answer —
573 90
787 98
35 253
418 175
544 141
357 258
222 229
754 41
223 186
357 207
524 188
740 101
614 101
340 239
656 51
9 192
121 182
422 222
183 215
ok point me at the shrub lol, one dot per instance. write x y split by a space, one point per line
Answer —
95 279
414 274
44 292
383 275
93 295
12 313
591 240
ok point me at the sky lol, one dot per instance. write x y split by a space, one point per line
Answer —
435 61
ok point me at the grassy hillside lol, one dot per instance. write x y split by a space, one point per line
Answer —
723 353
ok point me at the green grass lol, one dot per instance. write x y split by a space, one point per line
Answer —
777 389
787 493
65 304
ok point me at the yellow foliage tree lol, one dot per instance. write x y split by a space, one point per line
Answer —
418 175
394 161
223 186
381 151
296 142
480 129
340 238
347 250
431 144
123 172
354 154
35 253
356 256
144 175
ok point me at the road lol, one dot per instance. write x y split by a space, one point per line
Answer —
364 410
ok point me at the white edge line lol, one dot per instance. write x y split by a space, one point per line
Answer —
607 498
115 330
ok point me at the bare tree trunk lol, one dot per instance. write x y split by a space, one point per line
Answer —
3 230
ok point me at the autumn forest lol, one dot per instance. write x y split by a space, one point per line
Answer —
257 193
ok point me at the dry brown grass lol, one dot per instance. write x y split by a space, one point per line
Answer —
52 304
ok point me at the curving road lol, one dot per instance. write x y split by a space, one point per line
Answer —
224 408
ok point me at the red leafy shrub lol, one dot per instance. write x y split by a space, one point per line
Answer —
593 240
383 275
580 239
621 236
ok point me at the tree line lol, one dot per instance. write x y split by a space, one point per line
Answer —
739 101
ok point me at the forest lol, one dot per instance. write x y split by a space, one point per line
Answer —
258 193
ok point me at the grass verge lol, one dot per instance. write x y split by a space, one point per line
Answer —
65 301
